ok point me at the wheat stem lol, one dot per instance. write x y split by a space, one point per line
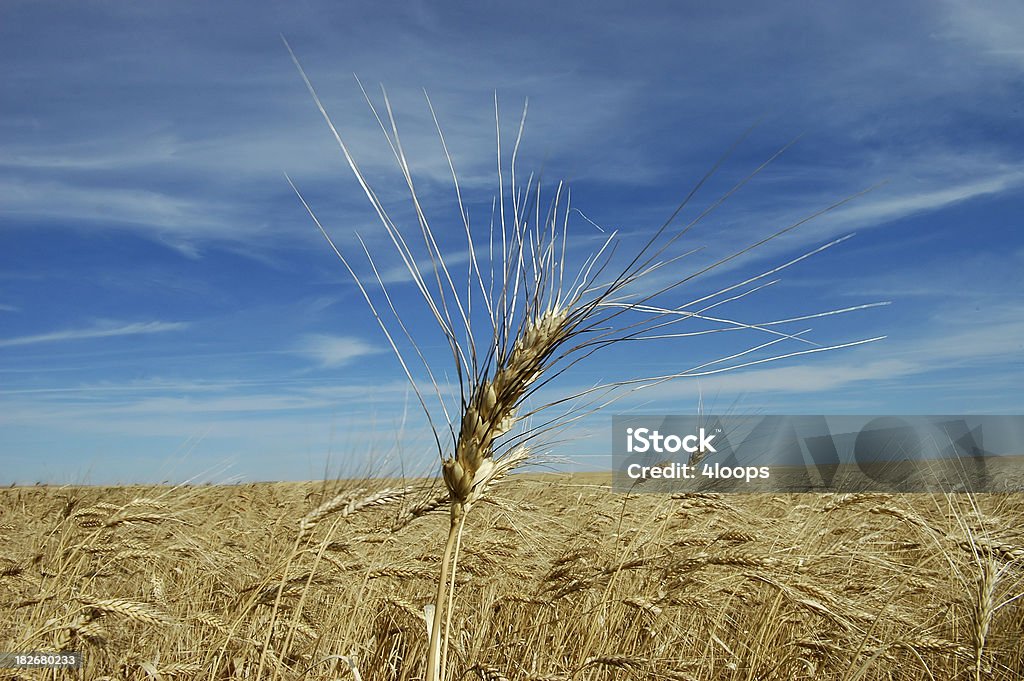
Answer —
434 645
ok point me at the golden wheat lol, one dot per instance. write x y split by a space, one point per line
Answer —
837 593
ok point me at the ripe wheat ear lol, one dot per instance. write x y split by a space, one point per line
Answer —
539 321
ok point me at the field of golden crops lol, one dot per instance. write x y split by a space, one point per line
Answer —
558 578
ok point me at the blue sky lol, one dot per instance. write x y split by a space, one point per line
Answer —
169 311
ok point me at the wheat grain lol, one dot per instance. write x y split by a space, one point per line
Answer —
984 608
934 644
133 610
644 605
70 632
845 500
736 536
10 568
134 518
488 673
982 545
210 620
131 554
420 509
398 573
614 661
179 669
416 613
93 632
345 504
159 589
741 559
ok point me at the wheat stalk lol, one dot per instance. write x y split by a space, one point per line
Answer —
343 505
541 320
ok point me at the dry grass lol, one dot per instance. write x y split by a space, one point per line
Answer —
559 579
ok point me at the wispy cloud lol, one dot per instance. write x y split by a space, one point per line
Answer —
114 207
993 28
334 351
167 407
881 209
106 330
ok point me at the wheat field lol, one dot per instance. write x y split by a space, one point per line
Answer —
559 578
551 577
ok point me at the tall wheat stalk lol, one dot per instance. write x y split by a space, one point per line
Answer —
538 320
